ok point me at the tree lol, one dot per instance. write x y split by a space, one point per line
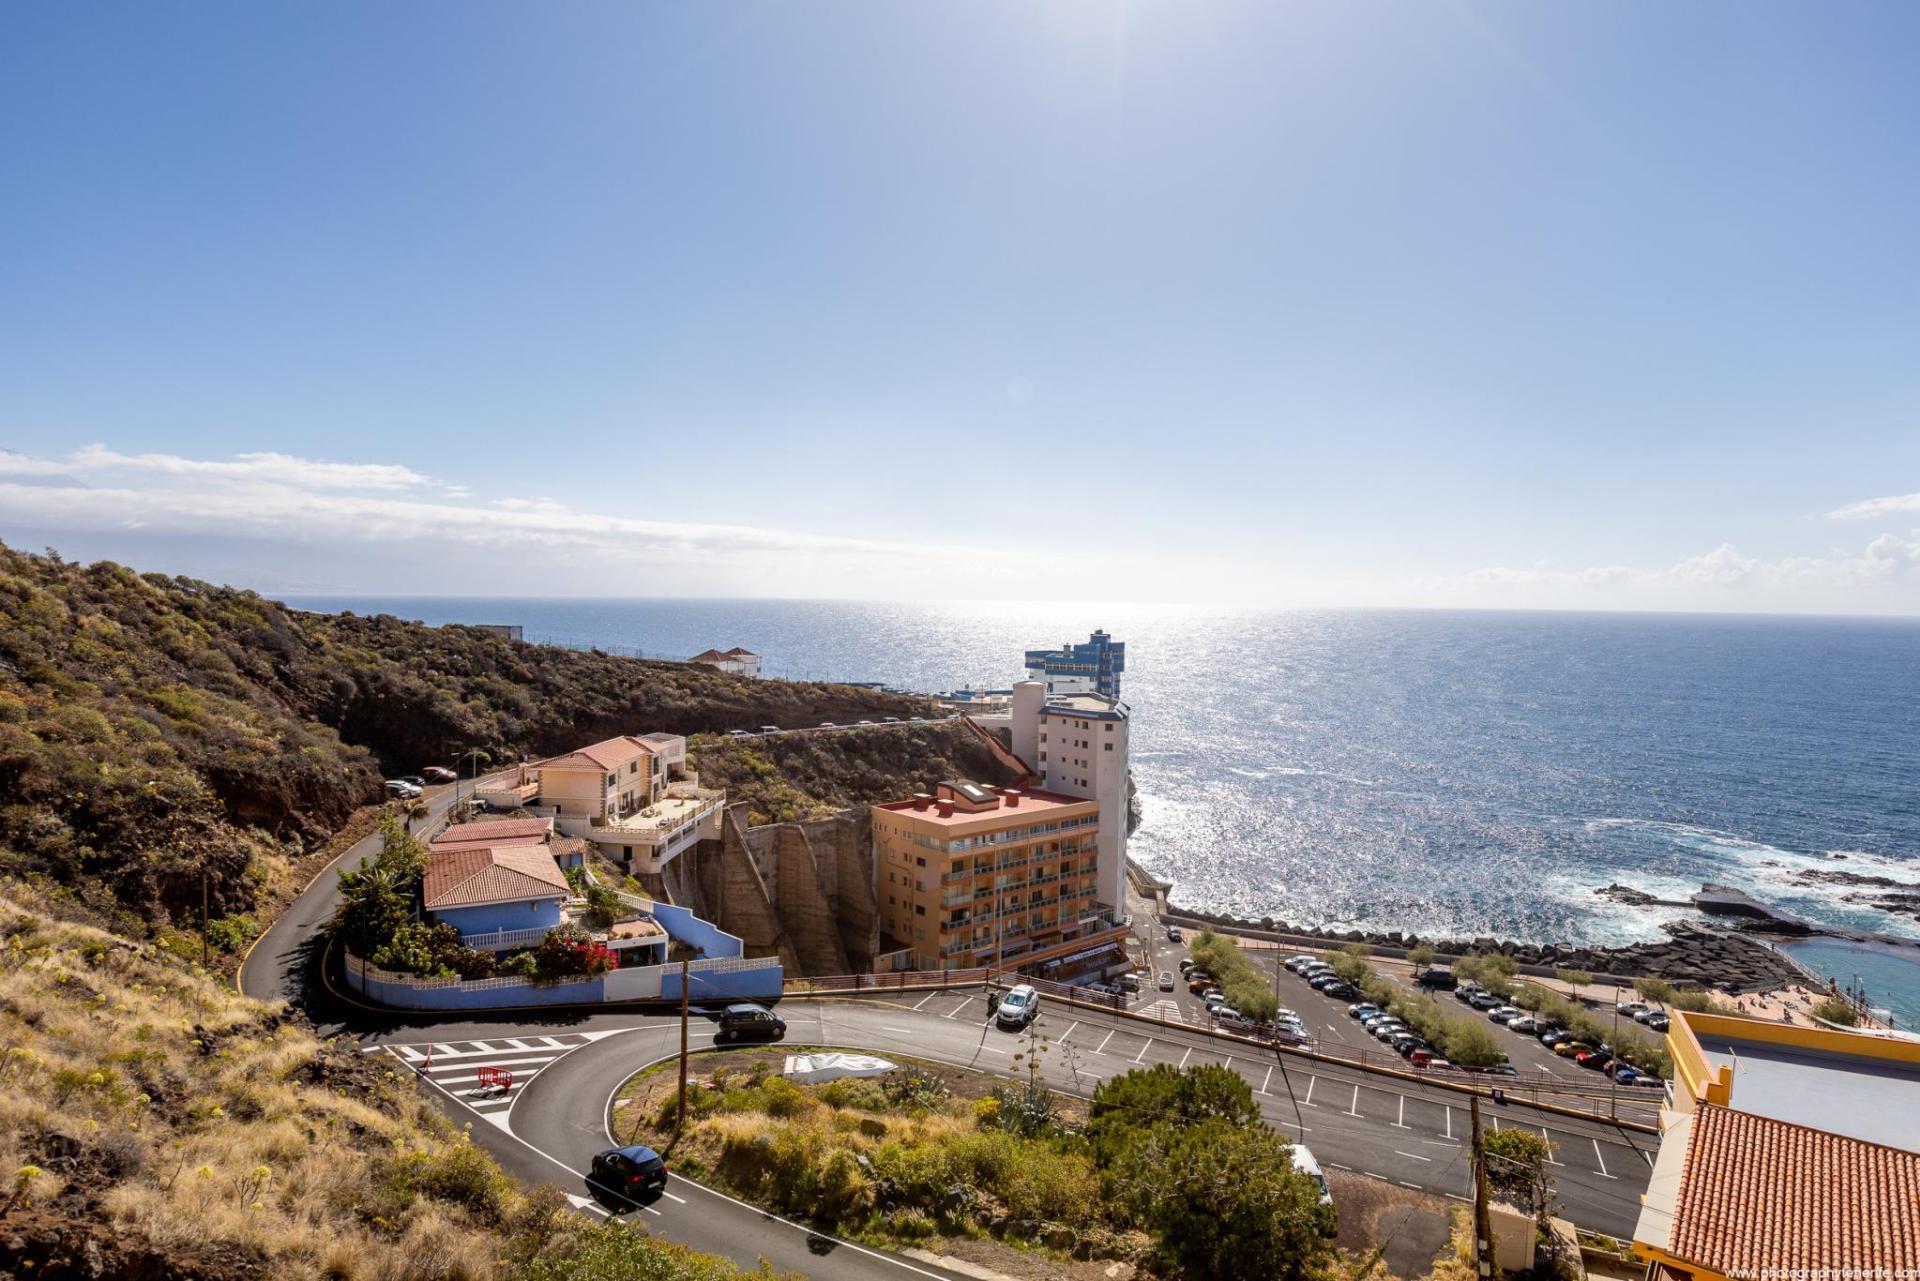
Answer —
1659 991
380 898
1165 1095
1492 970
1470 1043
1575 979
1218 1196
1517 1171
1420 954
1350 962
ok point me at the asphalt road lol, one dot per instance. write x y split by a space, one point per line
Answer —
568 1063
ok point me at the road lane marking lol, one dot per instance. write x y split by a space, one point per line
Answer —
1647 1155
965 1002
1415 1155
1308 1101
1263 1083
1371 1175
1337 1166
1415 1186
1143 1050
899 1030
1449 1111
483 1047
519 1045
1185 1057
1295 1125
1353 1109
1549 1142
1601 1159
1064 1035
923 1000
1103 1044
1401 1124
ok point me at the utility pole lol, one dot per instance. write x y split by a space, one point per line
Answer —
1613 1068
1482 1213
680 1112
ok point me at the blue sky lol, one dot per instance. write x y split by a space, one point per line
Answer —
1604 306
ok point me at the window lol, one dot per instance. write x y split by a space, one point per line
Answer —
1109 747
919 909
919 862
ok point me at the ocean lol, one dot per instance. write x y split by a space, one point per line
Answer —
1457 773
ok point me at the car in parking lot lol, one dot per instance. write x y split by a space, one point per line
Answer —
1632 1009
1386 1031
1017 1007
1484 1001
1186 964
1340 990
1320 981
1129 982
1659 1022
1213 997
630 1171
1525 1025
1506 1013
1624 1075
1571 1049
1199 981
1166 980
1427 1058
1362 1009
1554 1036
1437 976
1298 963
1407 1042
1174 935
1599 1060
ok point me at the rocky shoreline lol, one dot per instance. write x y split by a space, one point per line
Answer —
1693 955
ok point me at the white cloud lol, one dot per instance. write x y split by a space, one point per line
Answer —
1888 559
273 497
1876 508
97 461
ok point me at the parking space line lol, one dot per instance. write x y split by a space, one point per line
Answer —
923 1000
1069 1032
1109 1037
1601 1159
1353 1109
1263 1082
1401 1124
1448 1109
1308 1101
1185 1057
955 1011
1544 1138
1143 1050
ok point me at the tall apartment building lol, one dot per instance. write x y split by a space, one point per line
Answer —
1090 668
973 875
1077 745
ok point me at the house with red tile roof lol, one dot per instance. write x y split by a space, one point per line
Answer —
633 797
1785 1151
494 889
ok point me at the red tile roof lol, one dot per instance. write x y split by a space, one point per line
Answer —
608 754
1758 1194
498 874
494 831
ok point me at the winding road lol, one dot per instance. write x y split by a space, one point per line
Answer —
568 1064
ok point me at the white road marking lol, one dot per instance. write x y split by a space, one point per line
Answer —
1549 1143
1069 1032
1353 1109
1401 1124
1601 1159
1295 1125
956 1009
1415 1186
1337 1166
1647 1155
1185 1057
671 1197
923 1000
519 1045
1109 1037
1415 1155
1263 1083
898 1030
1143 1050
1371 1175
1449 1112
483 1047
1308 1101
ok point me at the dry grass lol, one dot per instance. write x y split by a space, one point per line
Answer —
137 1092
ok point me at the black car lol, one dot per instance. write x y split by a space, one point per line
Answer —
1437 976
630 1171
1340 990
748 1021
1173 934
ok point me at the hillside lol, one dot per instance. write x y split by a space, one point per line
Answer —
161 735
155 1125
797 776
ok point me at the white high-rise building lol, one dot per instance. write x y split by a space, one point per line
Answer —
1077 744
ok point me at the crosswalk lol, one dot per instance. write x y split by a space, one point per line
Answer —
455 1066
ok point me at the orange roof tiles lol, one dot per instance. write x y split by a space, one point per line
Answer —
608 754
494 831
499 874
1759 1194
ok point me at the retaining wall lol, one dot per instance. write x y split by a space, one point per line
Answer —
718 979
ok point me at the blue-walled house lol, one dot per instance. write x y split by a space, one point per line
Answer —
495 890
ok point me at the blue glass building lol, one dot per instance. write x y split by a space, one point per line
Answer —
1098 662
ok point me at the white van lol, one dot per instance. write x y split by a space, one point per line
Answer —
1303 1161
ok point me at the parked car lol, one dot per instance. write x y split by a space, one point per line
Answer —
1129 982
1625 1075
401 788
1466 991
1320 982
1166 980
1387 1031
748 1021
1362 1009
1631 1008
416 779
828 725
1571 1049
1407 1042
630 1171
1303 1161
1438 976
1298 963
1659 1022
1198 981
1174 935
739 733
1484 1001
1648 1079
769 729
1526 1026
1429 1059
858 723
1340 990
1504 1014
1595 1059
1186 963
1643 1015
1554 1036
1017 1007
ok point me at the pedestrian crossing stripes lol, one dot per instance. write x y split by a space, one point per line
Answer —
456 1066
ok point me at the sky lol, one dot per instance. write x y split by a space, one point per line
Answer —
1600 306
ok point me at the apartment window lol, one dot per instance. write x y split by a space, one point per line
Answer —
610 780
919 909
1109 729
919 862
892 901
1109 747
